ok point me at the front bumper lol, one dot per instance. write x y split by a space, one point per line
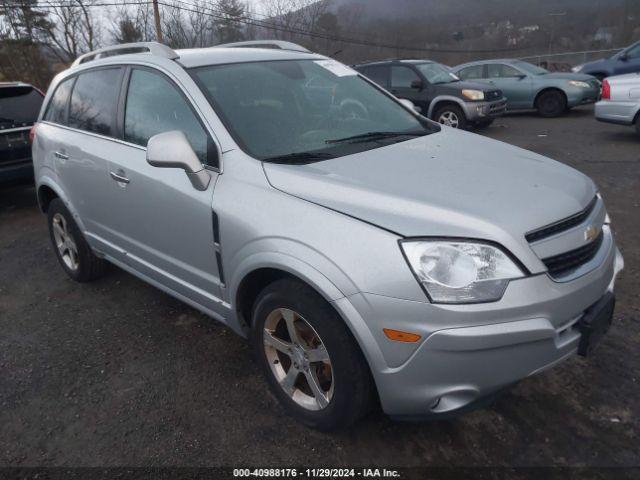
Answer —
470 352
622 113
479 111
582 96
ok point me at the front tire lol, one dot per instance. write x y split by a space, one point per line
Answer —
451 116
312 363
551 103
638 124
73 252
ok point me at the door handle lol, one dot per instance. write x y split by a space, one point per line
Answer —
119 177
61 156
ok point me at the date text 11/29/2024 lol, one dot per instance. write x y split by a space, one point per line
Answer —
316 473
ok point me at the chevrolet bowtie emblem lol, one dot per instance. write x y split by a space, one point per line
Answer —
591 233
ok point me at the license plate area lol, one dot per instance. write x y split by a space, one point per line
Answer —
595 322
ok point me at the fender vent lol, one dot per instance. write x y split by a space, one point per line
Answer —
216 245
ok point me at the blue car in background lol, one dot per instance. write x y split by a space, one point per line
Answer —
625 61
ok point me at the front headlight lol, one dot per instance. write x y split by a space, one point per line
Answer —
578 83
473 94
453 271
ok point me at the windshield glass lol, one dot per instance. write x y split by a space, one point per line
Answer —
436 73
305 110
19 106
531 68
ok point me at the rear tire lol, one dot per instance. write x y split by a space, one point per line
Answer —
73 252
451 115
343 385
638 124
551 103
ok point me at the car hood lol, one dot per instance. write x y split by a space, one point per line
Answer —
451 183
568 76
596 64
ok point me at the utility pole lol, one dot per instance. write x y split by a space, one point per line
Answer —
156 14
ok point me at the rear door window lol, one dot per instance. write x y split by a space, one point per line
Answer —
500 70
59 105
19 106
378 74
474 72
94 100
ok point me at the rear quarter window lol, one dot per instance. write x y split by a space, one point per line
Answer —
94 100
59 104
19 106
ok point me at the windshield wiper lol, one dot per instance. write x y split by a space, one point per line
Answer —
375 136
299 157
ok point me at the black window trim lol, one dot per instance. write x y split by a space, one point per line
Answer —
212 144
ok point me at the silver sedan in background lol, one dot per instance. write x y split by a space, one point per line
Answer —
620 101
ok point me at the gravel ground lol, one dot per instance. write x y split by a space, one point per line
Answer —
116 373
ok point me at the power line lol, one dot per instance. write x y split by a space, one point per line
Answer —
354 41
247 20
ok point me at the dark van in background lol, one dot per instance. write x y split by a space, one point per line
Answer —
19 107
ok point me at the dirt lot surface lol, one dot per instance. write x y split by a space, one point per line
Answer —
116 373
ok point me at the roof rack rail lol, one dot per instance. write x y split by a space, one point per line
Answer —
274 44
154 48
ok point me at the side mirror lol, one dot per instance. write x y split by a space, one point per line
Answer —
417 85
623 57
409 104
521 77
173 150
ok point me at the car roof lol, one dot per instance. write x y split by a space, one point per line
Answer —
489 61
199 57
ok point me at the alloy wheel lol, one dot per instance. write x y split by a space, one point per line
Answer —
449 119
298 359
65 243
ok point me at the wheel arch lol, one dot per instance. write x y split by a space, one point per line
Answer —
46 194
260 269
48 189
441 100
248 289
549 89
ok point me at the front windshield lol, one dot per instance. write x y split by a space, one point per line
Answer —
436 73
305 109
531 68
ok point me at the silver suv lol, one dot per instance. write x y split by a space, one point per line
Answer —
366 252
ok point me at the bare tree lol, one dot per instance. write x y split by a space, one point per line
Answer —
293 16
73 29
22 45
189 27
